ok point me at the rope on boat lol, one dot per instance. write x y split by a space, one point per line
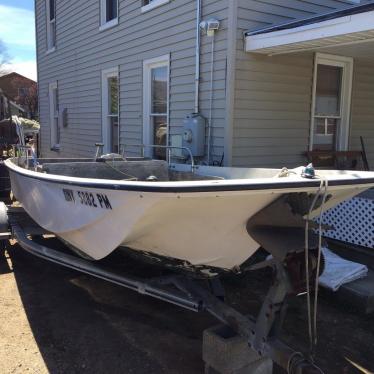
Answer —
129 177
285 172
312 325
324 187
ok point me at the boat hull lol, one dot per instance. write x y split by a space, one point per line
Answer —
202 227
168 225
205 229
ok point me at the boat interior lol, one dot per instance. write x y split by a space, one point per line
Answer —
148 170
134 170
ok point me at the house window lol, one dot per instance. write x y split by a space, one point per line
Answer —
54 116
148 5
22 92
331 103
51 25
156 105
109 14
110 110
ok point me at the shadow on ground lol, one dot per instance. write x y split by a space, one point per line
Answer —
86 325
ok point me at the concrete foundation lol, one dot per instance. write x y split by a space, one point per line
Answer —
224 352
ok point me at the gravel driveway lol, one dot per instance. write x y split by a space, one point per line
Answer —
58 321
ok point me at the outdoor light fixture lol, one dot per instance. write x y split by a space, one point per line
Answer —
210 26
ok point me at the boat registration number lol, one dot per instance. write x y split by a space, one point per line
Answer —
94 200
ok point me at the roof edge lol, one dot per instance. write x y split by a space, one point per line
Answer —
357 9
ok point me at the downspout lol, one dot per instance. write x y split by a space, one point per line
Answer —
39 135
230 81
211 100
197 57
210 26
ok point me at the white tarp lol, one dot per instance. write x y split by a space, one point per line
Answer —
339 271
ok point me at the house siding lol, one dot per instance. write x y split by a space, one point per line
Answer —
272 110
261 108
82 52
272 105
362 108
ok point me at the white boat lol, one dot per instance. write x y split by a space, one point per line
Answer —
198 218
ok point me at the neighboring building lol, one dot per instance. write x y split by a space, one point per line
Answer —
8 107
123 72
21 91
15 85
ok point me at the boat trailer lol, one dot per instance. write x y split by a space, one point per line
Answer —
260 333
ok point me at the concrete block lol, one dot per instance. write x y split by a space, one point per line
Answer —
225 352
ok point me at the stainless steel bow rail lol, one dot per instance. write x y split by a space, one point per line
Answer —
175 289
169 148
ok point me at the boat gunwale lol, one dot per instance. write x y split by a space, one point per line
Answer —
225 185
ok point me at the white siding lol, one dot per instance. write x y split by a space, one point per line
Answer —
267 116
363 108
82 51
272 110
273 94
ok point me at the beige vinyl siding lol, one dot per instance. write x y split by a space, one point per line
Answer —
268 111
82 52
363 108
273 94
272 110
41 36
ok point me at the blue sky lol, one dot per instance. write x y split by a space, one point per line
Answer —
17 31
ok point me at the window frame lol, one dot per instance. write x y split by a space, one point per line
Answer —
105 128
148 65
54 116
346 63
51 28
153 4
104 24
23 91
